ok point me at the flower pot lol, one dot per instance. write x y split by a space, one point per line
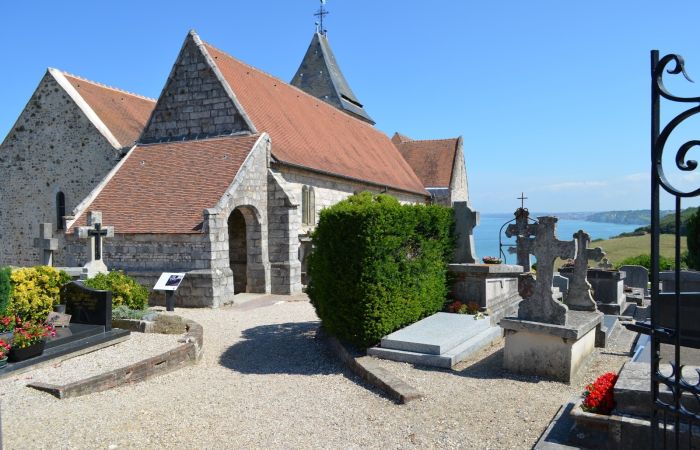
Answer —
3 362
20 354
7 337
59 309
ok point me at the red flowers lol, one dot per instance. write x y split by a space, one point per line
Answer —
29 333
598 397
458 307
4 349
8 323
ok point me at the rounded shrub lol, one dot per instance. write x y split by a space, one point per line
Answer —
35 290
378 266
645 261
125 290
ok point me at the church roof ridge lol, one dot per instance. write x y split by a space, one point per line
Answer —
102 85
276 78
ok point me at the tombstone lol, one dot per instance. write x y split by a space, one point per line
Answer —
466 220
561 283
546 338
579 297
522 230
95 232
636 277
689 281
46 243
541 306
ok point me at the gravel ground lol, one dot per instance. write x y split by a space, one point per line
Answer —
266 382
138 347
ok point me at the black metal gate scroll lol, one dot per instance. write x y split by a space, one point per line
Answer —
673 416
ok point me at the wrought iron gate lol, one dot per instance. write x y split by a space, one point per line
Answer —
672 417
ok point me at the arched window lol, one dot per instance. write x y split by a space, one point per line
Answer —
60 209
308 206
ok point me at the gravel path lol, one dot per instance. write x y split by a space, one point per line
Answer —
266 382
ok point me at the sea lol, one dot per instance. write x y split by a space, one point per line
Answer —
487 232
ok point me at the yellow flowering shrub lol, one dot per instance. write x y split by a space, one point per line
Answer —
34 291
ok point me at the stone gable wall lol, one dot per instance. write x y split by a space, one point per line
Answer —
53 147
459 185
193 103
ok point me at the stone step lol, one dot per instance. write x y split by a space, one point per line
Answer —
446 360
436 334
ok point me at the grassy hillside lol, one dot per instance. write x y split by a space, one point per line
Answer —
618 249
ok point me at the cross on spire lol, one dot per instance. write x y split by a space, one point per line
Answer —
522 199
321 13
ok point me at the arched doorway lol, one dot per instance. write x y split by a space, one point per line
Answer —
237 250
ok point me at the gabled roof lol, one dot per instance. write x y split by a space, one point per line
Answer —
432 160
164 188
320 76
125 114
312 134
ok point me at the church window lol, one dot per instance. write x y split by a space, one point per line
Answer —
308 205
60 209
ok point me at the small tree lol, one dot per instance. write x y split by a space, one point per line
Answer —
693 238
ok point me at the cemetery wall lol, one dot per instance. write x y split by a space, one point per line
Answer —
52 147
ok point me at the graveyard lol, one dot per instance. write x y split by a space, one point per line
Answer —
249 261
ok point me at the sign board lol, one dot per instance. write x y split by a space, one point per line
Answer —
57 319
169 281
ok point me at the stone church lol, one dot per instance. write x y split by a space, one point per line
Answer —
221 177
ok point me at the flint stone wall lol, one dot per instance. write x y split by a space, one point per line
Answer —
52 147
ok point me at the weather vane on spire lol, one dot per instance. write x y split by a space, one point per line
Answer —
322 12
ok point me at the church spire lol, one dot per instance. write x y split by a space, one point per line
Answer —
320 75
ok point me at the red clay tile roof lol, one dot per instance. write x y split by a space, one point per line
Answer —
163 188
124 113
308 132
432 160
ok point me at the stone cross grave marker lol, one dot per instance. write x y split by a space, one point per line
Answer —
95 232
579 297
522 231
47 243
541 306
466 219
605 264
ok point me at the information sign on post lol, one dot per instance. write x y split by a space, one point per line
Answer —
169 282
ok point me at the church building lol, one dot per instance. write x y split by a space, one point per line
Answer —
221 177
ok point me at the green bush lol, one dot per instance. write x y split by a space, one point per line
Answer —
378 265
35 290
125 290
645 261
693 239
5 290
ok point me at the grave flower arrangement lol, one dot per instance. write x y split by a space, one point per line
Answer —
598 397
491 260
30 333
7 324
4 350
471 308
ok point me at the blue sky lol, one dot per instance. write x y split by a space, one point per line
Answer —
551 97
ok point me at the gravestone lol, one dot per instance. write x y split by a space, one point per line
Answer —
607 286
689 281
561 283
579 297
466 220
541 306
636 277
46 243
546 338
522 230
87 306
95 232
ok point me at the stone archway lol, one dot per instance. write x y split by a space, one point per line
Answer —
246 254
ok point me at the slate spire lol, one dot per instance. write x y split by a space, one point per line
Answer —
320 76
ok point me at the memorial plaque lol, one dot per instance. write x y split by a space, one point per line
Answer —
57 319
169 281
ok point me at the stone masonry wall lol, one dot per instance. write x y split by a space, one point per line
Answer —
194 102
53 147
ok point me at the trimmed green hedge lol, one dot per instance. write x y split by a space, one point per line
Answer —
5 290
645 261
378 266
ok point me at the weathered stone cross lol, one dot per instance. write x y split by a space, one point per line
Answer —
47 243
579 297
542 306
522 230
466 219
95 232
605 264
